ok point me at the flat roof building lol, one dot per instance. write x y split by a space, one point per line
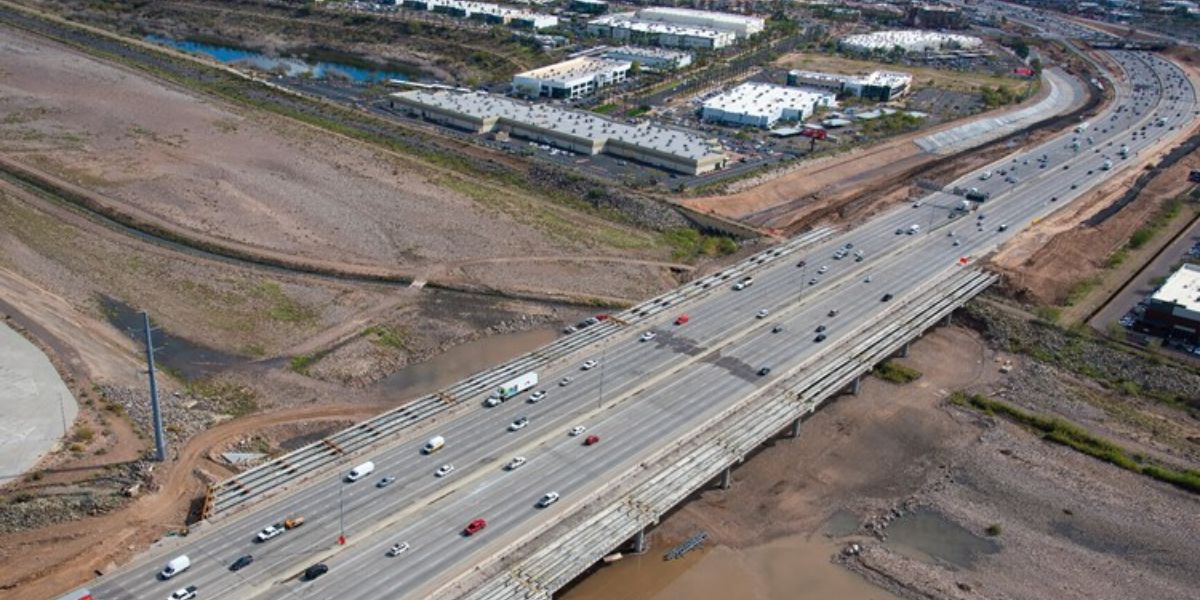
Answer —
572 78
1174 310
909 41
577 131
591 7
881 86
739 25
484 12
764 104
651 59
677 27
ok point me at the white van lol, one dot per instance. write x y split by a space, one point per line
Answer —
176 566
434 444
360 471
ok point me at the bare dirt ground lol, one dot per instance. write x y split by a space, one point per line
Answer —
1047 260
262 182
1069 525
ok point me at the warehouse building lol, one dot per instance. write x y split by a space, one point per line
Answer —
764 104
571 79
881 86
909 41
677 27
651 59
484 12
590 7
1174 310
668 148
933 16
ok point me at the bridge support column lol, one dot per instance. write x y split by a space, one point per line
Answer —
727 478
949 320
904 350
795 432
856 386
639 542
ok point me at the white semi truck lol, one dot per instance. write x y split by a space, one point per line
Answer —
512 387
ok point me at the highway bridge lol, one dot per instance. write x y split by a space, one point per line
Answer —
673 413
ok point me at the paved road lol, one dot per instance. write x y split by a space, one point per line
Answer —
642 395
36 404
1143 284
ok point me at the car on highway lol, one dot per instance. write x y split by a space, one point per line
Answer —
1002 227
833 312
398 549
917 204
777 329
682 319
565 381
762 314
316 571
577 430
444 470
744 283
518 424
386 481
801 264
589 365
763 372
812 281
516 463
900 231
886 297
820 328
186 593
824 269
591 440
269 532
820 338
548 499
649 335
242 562
474 527
537 396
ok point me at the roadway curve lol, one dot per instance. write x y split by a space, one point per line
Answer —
643 394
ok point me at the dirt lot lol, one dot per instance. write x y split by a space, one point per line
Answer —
917 482
231 176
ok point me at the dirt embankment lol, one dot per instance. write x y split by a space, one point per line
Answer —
946 502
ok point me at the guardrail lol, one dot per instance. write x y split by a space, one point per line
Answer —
280 473
727 438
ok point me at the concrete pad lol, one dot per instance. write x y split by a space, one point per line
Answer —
36 405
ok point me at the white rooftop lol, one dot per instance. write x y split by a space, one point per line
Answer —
575 68
1182 288
581 124
912 41
763 99
646 51
630 22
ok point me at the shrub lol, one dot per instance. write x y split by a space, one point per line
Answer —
896 373
993 530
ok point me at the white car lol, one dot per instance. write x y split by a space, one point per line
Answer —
565 381
515 463
649 335
269 532
444 470
577 430
589 365
762 314
186 593
398 549
519 424
823 269
537 396
548 499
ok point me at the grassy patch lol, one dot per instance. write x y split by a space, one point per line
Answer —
1081 290
283 308
637 111
1064 432
302 362
688 243
1049 314
83 434
228 398
387 336
896 373
605 109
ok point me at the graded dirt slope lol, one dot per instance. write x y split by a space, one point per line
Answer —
259 181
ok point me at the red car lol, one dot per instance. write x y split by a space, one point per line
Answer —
591 439
474 526
682 319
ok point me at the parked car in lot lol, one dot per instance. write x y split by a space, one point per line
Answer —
242 562
444 470
516 463
474 527
398 549
548 499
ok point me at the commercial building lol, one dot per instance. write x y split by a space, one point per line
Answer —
764 104
651 59
933 16
589 7
677 27
1174 310
668 148
484 12
909 41
573 78
881 86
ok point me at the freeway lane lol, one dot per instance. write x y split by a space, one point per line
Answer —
478 442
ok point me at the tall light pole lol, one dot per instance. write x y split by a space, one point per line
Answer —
341 515
160 444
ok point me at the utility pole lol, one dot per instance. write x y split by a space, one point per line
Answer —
160 443
341 515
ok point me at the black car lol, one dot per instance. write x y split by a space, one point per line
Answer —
764 371
820 328
241 562
316 571
801 264
820 337
886 297
777 329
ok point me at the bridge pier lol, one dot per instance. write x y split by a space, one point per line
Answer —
904 350
639 542
795 432
727 478
856 386
949 320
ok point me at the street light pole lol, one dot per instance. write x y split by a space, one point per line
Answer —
341 516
